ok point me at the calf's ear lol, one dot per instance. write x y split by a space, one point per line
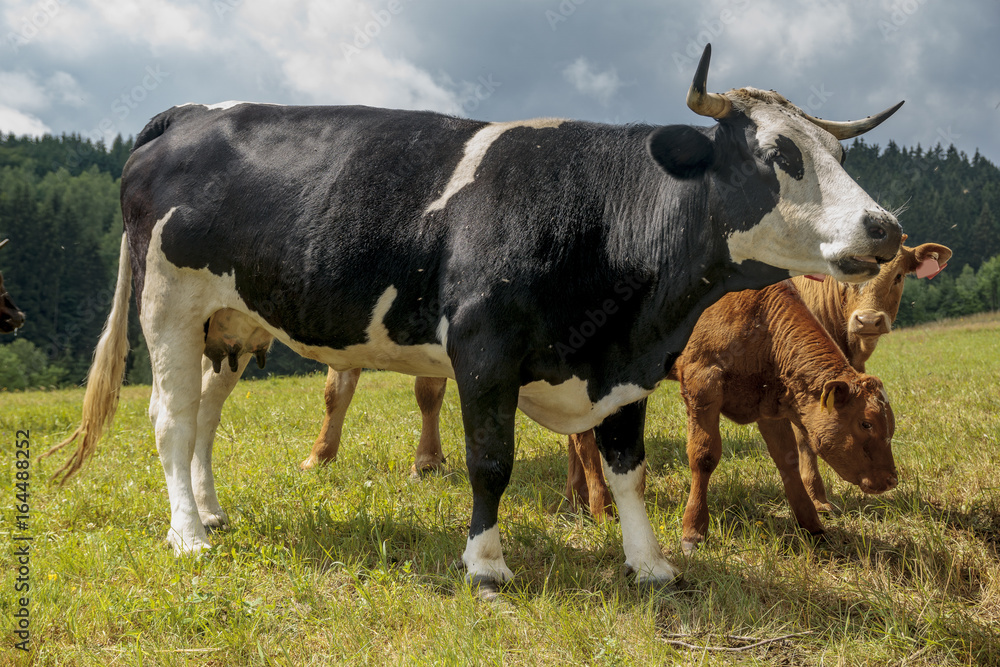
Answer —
941 253
835 395
681 150
929 259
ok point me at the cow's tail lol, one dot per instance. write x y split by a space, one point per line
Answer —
104 382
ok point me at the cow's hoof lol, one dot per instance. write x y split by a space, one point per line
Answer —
189 547
421 469
313 462
818 535
659 576
486 587
689 546
214 520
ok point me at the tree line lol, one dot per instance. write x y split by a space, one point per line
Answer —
59 205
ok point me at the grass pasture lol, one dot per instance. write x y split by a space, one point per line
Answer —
354 564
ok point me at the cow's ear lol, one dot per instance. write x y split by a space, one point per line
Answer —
835 395
928 260
941 253
681 150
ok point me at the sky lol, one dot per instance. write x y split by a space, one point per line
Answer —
100 68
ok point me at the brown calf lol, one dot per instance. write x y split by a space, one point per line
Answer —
761 356
11 318
857 316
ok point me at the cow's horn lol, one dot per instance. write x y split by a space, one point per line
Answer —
853 128
4 242
704 103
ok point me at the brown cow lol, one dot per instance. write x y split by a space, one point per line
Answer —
11 318
761 356
857 316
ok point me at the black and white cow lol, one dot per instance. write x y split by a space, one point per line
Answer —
11 317
446 247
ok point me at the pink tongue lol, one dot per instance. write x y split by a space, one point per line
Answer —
818 277
929 268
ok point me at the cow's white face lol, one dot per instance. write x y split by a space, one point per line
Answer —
819 205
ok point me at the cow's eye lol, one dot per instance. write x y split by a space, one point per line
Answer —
866 425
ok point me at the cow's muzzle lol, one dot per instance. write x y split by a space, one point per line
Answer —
868 323
883 237
879 484
883 230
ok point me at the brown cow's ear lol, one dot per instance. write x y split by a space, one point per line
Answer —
835 395
936 251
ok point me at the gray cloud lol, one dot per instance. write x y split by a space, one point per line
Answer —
103 67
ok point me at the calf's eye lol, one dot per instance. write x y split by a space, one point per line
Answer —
866 426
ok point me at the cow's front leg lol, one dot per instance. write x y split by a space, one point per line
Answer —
809 472
620 440
215 389
488 417
704 450
784 451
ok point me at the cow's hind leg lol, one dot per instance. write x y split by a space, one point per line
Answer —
620 440
230 338
175 349
337 395
430 396
215 389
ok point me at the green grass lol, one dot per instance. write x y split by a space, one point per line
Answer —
354 564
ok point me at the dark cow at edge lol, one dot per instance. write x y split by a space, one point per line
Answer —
11 317
245 222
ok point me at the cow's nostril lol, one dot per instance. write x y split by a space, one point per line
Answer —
876 232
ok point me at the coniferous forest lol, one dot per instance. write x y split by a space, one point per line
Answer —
59 207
